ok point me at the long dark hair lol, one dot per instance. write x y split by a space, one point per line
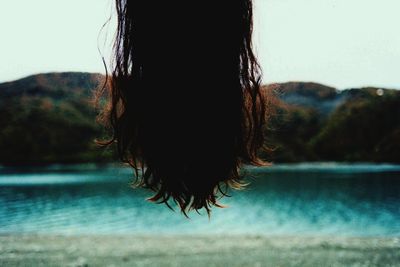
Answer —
186 108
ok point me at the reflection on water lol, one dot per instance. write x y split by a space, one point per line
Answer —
305 199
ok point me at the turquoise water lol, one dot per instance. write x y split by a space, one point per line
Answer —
300 199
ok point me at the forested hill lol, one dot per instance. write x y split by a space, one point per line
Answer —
316 122
54 85
49 118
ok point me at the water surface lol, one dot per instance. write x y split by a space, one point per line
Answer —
300 199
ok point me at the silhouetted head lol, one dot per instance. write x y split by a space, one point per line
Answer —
186 107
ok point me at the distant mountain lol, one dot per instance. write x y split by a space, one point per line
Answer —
311 95
54 85
50 118
316 122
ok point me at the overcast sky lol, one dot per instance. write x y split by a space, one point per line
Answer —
342 43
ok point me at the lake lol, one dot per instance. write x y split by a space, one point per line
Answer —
285 199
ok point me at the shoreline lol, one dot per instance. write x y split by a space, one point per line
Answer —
196 250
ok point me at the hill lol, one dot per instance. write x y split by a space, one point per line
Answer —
49 118
316 122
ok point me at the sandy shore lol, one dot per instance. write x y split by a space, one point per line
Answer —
53 250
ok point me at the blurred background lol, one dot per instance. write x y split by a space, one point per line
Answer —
332 69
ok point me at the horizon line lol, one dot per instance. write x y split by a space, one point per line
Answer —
263 84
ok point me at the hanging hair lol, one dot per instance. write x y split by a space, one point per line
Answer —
186 109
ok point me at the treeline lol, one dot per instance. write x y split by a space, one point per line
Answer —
313 122
49 118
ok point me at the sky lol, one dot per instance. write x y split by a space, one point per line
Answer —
341 43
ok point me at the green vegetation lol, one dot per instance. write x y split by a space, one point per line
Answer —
50 118
318 123
364 128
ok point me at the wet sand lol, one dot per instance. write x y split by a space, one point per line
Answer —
226 251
